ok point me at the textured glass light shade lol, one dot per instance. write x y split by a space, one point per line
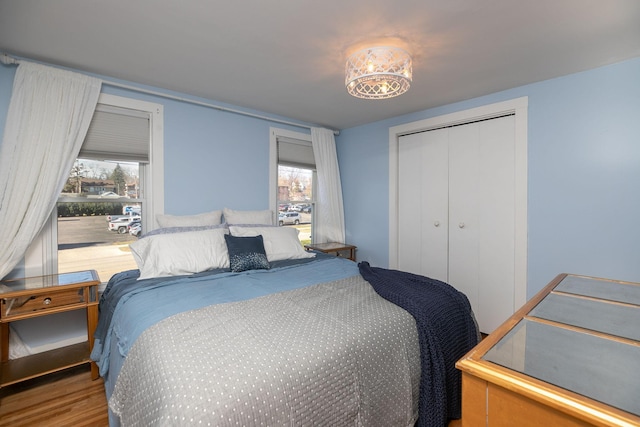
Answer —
378 72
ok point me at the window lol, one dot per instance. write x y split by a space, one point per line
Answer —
113 192
99 213
293 183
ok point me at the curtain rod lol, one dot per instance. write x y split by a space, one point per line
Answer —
10 60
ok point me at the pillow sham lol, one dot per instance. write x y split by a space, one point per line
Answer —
171 230
279 242
246 253
203 219
247 217
180 253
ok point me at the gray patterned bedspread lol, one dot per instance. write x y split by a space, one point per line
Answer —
330 354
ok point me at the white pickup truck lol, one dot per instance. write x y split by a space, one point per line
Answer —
121 223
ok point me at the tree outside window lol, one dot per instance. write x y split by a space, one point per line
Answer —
295 200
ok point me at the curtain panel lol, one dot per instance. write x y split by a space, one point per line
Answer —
329 226
48 117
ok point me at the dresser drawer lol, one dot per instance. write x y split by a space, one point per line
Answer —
12 307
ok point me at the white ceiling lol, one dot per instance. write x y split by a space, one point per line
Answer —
287 57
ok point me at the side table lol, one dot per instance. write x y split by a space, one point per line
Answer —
340 249
40 296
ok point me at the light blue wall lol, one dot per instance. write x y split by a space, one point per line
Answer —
583 175
584 169
213 159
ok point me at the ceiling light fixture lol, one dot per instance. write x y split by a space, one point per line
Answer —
378 72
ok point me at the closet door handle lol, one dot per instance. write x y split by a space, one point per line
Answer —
436 224
461 225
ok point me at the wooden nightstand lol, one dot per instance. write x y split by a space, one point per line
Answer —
40 296
340 249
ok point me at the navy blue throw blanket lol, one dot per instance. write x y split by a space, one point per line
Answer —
446 329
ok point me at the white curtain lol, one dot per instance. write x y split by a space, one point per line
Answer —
49 114
329 225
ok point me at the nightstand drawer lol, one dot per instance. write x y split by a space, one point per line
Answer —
12 307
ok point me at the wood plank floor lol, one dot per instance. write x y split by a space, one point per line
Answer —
68 398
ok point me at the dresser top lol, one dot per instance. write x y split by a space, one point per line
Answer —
580 335
40 282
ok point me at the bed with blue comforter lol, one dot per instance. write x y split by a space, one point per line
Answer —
314 340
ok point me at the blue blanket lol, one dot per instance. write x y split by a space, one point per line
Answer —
133 305
446 329
129 306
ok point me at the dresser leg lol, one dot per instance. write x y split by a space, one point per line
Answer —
92 323
95 373
4 341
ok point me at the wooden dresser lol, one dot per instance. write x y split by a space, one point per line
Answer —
569 357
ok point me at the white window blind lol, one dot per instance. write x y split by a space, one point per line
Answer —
118 134
296 153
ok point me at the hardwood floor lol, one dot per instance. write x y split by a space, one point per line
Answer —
68 398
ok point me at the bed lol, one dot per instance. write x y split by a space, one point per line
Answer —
239 325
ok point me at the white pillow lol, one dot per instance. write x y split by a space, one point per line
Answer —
199 220
248 217
180 253
279 242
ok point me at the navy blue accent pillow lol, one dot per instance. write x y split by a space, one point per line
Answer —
246 253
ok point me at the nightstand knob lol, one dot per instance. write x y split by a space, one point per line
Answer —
436 223
46 301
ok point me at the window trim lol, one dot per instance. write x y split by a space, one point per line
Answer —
42 256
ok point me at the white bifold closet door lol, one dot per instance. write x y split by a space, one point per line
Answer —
456 210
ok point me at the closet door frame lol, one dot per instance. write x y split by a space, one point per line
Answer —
517 106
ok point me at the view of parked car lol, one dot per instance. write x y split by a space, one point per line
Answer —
131 210
121 224
295 207
135 228
128 212
289 218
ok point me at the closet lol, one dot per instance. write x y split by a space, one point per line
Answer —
456 210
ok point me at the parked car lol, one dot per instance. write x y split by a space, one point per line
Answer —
126 216
111 218
131 210
289 218
135 228
121 225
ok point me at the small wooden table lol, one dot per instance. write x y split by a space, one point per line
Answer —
334 247
40 296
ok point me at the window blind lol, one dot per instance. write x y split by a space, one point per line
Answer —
296 153
118 134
